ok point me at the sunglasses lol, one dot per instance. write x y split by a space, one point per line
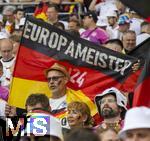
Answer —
54 78
108 100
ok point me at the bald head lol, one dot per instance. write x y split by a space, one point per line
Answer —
6 47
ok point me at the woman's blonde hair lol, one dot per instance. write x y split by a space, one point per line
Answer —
83 109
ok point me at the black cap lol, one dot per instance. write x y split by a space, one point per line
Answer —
91 14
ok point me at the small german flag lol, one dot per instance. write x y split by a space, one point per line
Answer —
40 11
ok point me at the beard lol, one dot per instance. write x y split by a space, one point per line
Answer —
109 112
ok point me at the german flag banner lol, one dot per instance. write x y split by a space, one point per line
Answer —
92 68
40 11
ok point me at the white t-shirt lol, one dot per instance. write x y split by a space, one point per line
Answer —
116 34
6 71
135 25
3 34
104 7
113 33
59 103
2 107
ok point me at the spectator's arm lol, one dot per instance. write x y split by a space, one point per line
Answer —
14 111
136 66
92 5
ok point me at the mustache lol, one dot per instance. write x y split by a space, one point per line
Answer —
106 106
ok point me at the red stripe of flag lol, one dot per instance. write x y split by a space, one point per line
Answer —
30 59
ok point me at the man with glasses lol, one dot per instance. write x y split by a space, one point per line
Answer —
57 77
111 105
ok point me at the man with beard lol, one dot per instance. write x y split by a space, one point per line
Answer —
111 105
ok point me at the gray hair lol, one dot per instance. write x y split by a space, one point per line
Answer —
8 8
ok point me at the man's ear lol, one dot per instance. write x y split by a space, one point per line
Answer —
66 79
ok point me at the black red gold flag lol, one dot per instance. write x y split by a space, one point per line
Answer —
92 68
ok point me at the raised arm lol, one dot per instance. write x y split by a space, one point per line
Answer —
92 5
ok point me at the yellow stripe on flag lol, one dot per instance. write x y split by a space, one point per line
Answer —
42 16
27 87
73 95
30 86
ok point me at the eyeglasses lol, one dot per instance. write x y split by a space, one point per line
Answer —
108 100
54 78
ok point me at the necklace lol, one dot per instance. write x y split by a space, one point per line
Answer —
115 125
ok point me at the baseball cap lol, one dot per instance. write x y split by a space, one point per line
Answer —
136 118
123 19
121 99
60 68
91 14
